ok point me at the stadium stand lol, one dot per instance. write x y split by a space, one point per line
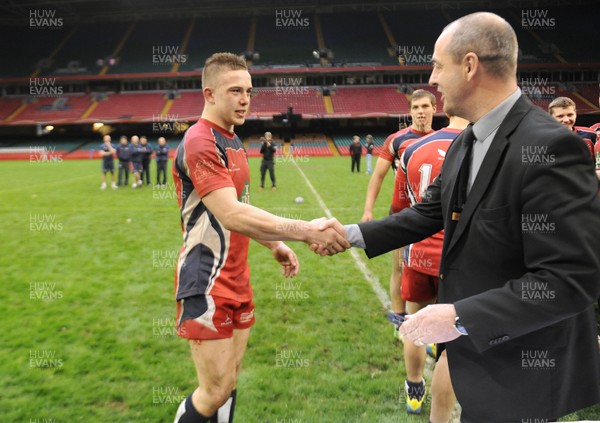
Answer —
129 106
305 145
342 143
81 52
355 38
150 47
284 46
355 101
219 31
305 100
14 41
552 39
314 148
139 91
588 91
410 30
369 100
8 105
53 110
187 105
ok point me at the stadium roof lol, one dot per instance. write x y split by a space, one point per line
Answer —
16 12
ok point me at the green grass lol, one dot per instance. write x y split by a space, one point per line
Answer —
101 347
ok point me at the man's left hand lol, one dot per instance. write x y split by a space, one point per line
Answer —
287 258
432 324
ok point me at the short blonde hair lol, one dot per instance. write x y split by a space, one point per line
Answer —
219 62
420 93
563 102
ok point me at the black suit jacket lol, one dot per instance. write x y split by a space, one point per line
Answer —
522 267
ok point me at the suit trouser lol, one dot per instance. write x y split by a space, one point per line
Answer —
467 419
161 168
146 171
124 172
264 166
356 162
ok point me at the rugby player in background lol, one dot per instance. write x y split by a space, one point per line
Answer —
420 163
422 109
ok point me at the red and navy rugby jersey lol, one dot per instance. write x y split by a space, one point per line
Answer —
420 164
213 260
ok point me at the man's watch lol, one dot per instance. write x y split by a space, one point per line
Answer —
459 327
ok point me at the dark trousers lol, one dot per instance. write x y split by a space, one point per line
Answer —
161 168
468 419
124 172
146 171
356 162
264 166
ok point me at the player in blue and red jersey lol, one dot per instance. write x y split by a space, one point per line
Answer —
597 150
137 153
124 156
147 151
420 164
212 284
564 110
422 109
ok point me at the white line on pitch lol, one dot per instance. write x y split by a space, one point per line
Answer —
360 262
376 286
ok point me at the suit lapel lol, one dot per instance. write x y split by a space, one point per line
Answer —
450 172
487 170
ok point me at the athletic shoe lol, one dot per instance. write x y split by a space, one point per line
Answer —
273 188
415 395
134 185
114 186
261 188
431 350
103 186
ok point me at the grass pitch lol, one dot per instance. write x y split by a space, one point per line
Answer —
88 312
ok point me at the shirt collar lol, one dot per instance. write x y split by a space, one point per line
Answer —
484 127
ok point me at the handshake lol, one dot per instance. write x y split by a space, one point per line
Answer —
326 236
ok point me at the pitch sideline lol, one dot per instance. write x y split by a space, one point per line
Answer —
373 280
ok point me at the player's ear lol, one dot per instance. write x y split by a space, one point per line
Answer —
209 95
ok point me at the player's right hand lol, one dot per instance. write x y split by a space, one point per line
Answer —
367 216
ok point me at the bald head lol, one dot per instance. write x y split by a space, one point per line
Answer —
490 37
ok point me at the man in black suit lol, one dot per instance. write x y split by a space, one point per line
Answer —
520 269
355 150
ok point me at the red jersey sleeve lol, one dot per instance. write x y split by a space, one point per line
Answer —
387 151
206 165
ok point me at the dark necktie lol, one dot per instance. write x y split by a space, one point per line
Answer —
462 182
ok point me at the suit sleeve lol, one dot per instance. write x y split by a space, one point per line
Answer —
560 227
411 225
